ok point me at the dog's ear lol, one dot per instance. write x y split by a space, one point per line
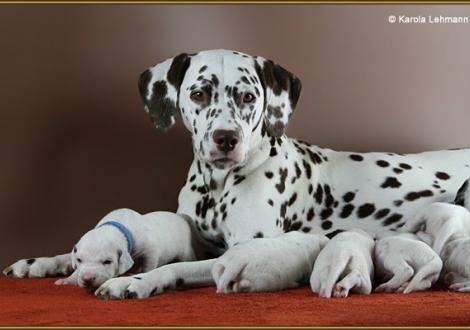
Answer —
159 88
281 93
125 262
72 254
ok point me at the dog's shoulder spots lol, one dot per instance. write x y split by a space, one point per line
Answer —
326 225
405 166
382 163
334 233
391 182
348 197
365 210
381 213
442 176
356 157
414 195
395 217
258 235
347 210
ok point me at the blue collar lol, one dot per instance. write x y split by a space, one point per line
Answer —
123 229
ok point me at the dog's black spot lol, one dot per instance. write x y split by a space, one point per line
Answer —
442 176
329 199
130 294
310 214
234 199
318 195
308 169
391 182
395 217
405 166
295 226
414 195
258 235
154 292
397 170
238 179
137 277
30 261
281 186
398 202
334 233
326 225
326 213
306 229
346 211
310 189
383 163
365 210
203 68
292 199
270 202
273 152
349 196
357 158
10 272
269 175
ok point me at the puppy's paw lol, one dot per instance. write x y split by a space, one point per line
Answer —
32 268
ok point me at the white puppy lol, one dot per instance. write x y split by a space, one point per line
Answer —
123 237
268 264
408 263
345 264
438 224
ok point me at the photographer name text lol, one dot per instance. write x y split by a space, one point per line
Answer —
403 19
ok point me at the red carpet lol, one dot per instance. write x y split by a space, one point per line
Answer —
40 302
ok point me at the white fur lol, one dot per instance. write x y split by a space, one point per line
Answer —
408 263
152 234
344 265
268 264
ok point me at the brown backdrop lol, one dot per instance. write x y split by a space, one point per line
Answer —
76 143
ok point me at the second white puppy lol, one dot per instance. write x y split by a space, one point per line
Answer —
268 264
124 236
344 265
408 263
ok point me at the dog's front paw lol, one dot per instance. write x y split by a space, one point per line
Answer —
138 286
34 267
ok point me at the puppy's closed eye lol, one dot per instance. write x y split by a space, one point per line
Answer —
107 262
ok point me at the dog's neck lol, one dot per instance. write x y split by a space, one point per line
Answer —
260 148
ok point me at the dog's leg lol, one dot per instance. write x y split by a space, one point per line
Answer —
425 277
71 280
40 267
168 277
402 272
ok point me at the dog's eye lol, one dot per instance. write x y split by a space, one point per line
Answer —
248 98
79 260
198 96
107 262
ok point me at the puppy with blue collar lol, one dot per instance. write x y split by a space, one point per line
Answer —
126 241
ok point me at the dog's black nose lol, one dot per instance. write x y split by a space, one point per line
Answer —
89 282
225 140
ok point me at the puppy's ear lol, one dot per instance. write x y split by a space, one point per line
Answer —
159 89
281 93
125 262
74 251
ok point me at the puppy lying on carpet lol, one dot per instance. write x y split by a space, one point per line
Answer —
345 264
124 237
446 227
268 264
408 263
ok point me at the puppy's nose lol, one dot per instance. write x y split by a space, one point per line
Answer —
225 140
89 281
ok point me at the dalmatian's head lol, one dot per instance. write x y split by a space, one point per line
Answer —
97 257
224 98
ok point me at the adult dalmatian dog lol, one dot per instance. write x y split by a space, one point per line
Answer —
249 180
